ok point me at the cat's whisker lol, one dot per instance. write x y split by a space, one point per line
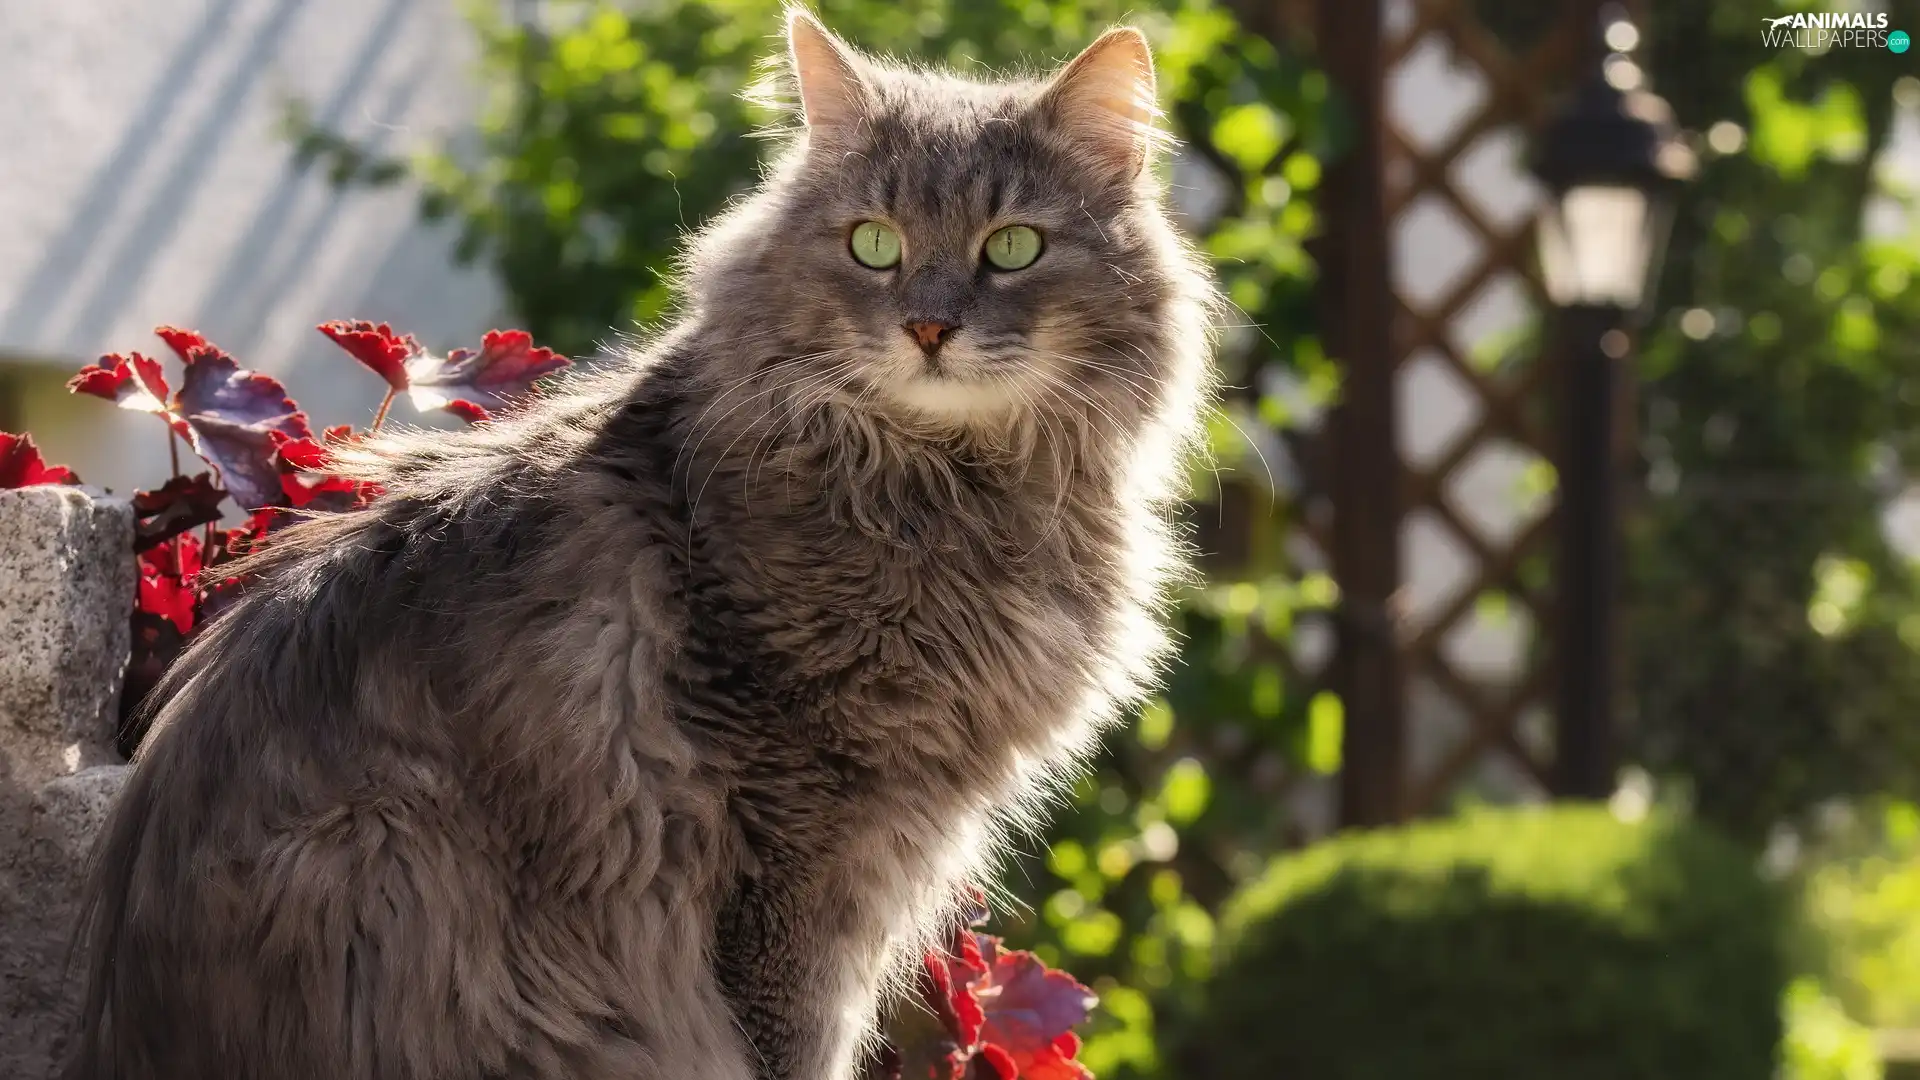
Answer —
693 511
1141 395
1086 399
1143 372
1057 464
694 433
1212 409
1096 225
1133 377
808 393
1215 408
719 397
1265 465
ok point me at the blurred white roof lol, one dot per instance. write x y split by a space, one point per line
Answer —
146 180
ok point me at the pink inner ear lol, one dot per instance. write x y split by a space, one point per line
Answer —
1106 96
831 90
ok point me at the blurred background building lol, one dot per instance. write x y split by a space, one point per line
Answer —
149 181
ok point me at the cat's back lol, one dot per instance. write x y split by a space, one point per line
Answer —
367 771
370 631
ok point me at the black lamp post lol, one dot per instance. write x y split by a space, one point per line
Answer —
1612 162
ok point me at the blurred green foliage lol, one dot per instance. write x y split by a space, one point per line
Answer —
1499 944
1773 631
1862 883
1821 1041
1773 628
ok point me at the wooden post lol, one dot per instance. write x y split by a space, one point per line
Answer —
1357 307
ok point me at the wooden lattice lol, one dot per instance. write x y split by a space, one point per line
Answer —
1518 90
1520 84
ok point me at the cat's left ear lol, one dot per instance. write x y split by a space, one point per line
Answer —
1105 98
832 93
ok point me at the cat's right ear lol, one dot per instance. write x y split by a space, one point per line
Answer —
832 93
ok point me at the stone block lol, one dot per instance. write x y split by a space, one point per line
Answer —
70 811
67 583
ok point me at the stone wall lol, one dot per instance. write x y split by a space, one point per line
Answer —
67 581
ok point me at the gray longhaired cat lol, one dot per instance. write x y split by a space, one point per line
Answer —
641 734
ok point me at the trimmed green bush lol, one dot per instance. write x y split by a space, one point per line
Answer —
1530 943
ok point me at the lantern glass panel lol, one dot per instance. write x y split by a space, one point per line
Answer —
1596 242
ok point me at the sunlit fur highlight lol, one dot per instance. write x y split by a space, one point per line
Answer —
643 734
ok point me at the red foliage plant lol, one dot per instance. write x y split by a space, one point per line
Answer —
265 463
985 1012
21 464
992 1013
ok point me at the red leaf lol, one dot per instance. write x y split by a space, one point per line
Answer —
168 598
990 1013
156 642
179 557
466 410
993 1063
966 957
133 381
315 491
1055 1062
302 453
233 417
215 596
307 484
473 385
221 582
1029 1008
217 386
168 581
183 503
244 458
378 347
102 380
230 544
952 975
182 342
21 465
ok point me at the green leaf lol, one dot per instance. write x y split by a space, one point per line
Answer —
1251 135
1326 721
1185 791
1156 724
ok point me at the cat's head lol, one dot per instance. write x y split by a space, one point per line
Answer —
963 252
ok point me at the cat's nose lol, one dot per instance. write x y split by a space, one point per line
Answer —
930 334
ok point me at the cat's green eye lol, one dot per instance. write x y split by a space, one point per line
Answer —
875 245
1013 248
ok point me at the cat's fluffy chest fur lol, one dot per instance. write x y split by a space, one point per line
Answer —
875 671
890 607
